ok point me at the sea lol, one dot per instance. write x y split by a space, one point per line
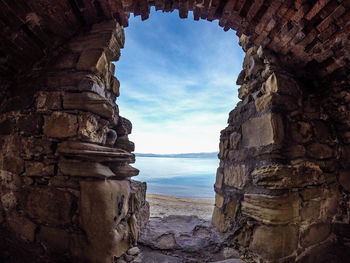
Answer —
179 177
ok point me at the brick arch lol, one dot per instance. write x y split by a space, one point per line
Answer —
300 31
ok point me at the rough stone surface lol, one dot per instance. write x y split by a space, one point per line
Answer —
290 131
271 209
274 242
103 206
235 176
48 205
60 125
264 130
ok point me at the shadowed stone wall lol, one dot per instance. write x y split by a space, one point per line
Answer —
282 184
65 154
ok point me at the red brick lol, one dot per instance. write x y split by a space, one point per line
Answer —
316 8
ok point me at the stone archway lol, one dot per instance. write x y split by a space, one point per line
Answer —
282 189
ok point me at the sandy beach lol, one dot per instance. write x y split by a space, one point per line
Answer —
163 205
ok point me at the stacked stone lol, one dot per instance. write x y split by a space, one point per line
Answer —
336 102
276 188
65 154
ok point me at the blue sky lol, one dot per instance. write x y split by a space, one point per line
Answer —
177 82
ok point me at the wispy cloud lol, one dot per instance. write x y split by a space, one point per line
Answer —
177 82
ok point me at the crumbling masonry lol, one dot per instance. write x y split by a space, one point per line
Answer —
283 185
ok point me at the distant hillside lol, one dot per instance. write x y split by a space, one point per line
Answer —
180 155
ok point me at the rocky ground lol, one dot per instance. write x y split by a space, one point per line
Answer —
180 239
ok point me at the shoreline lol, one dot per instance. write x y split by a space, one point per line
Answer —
165 205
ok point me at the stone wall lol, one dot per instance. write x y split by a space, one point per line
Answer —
281 190
283 182
65 154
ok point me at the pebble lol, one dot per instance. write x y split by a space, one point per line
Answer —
133 251
128 258
138 259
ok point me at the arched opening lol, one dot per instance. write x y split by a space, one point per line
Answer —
282 187
177 87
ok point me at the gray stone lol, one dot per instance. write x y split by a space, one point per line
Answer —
60 125
134 251
156 257
88 101
264 130
271 209
103 204
84 169
273 242
235 175
232 260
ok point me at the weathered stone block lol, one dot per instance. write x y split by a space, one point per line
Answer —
235 139
274 242
111 137
115 85
219 178
219 200
271 209
282 84
103 204
30 124
22 226
219 220
35 147
60 125
274 101
311 193
264 130
84 169
301 132
232 207
94 152
235 175
9 181
143 215
67 60
48 205
38 169
48 101
92 128
344 179
93 60
88 101
288 176
12 164
124 143
263 103
124 126
123 171
295 151
137 195
310 210
315 234
8 201
320 151
93 84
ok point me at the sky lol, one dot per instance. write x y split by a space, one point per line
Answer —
177 82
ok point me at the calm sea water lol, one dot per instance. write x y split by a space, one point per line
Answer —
180 177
